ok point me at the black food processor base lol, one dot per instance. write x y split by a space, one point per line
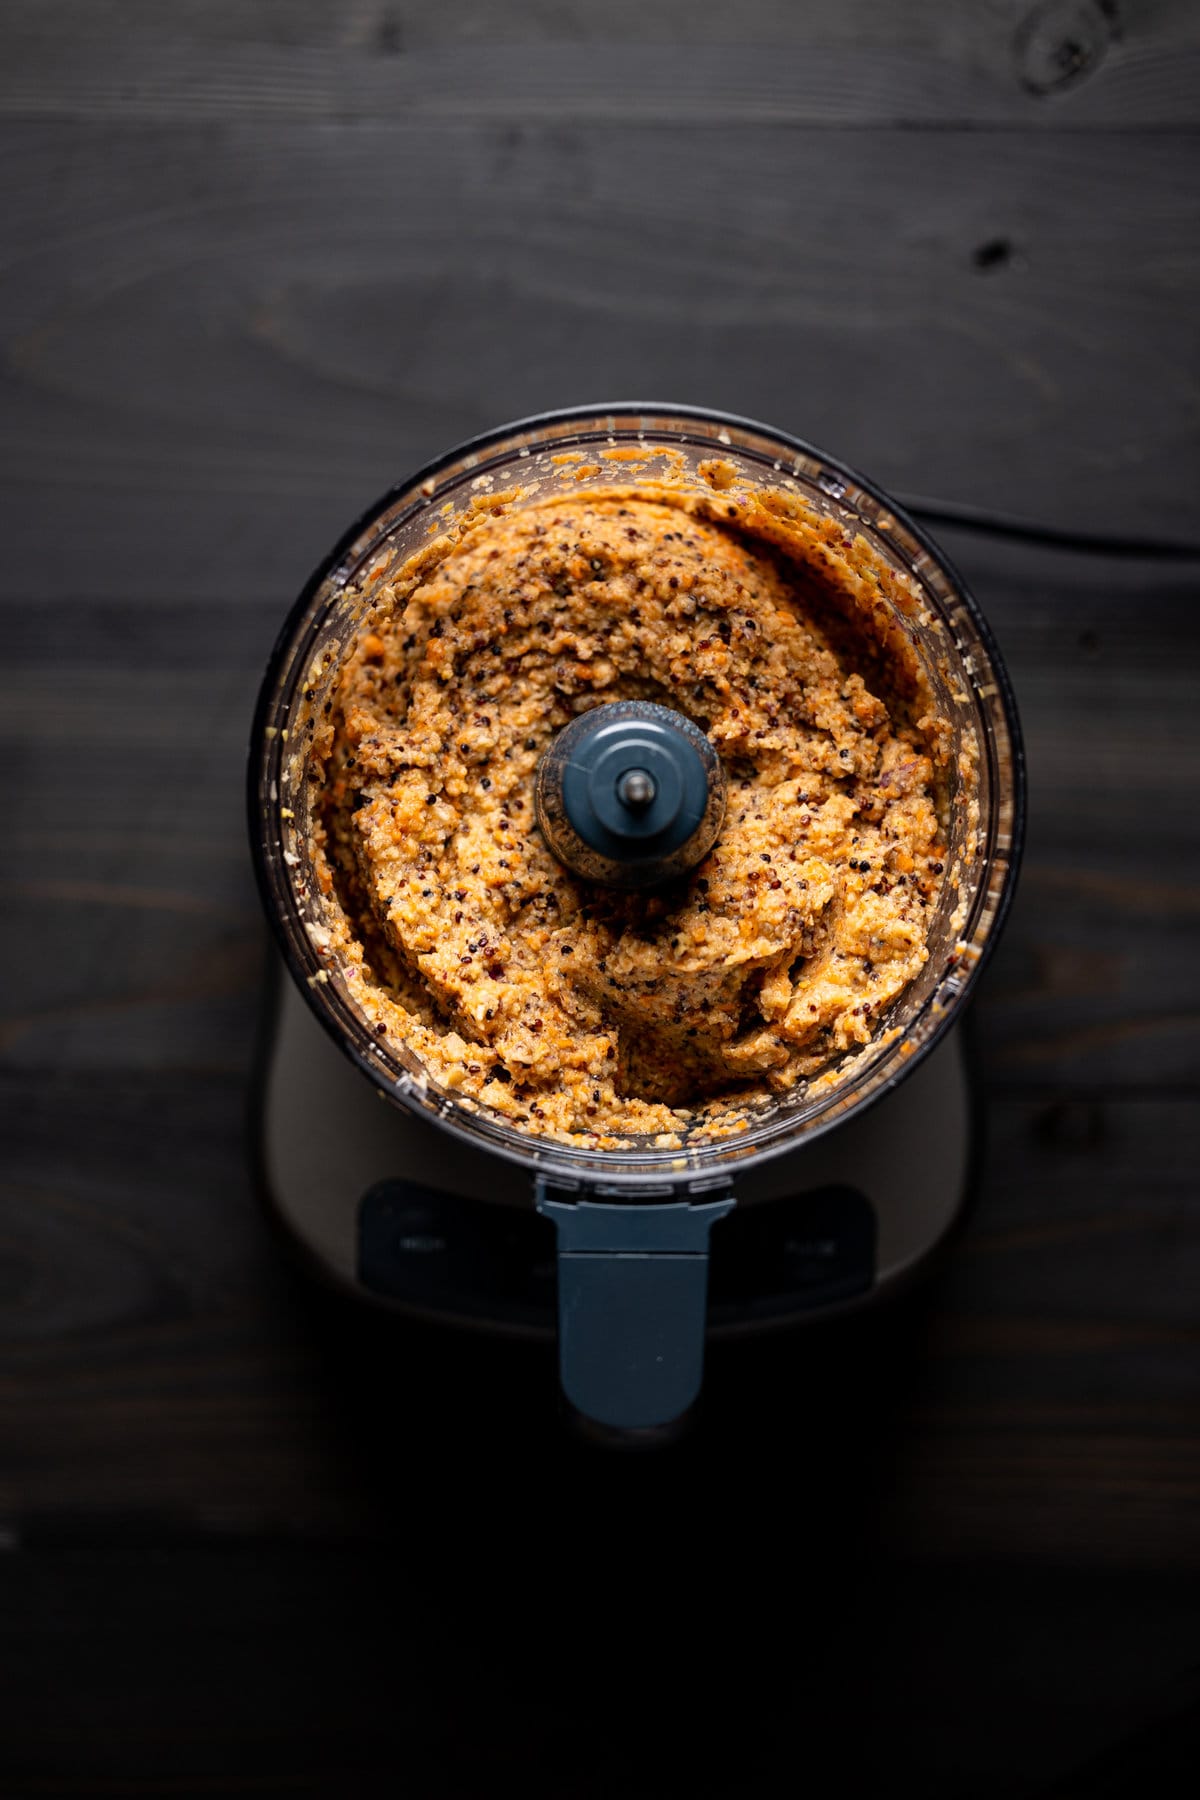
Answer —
389 1206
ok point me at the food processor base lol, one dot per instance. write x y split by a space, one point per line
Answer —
395 1210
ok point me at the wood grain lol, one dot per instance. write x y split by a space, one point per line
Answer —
1062 66
227 341
258 258
159 1366
1094 990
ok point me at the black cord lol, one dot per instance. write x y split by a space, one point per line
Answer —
1051 537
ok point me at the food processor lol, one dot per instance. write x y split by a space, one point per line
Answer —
836 1192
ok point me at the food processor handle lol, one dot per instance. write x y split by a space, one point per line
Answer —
632 1304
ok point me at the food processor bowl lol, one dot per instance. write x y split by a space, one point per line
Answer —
633 1222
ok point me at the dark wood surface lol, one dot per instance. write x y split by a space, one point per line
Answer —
258 260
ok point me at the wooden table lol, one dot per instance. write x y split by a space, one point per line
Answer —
260 259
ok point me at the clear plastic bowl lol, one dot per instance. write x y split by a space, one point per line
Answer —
938 617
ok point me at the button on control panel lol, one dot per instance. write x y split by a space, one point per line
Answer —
455 1257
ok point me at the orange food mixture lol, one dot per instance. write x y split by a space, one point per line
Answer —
576 1010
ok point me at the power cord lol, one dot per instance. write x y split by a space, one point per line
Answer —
1051 537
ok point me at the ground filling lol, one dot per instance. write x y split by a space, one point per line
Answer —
576 1009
